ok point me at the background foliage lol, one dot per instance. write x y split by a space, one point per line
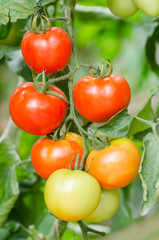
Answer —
132 46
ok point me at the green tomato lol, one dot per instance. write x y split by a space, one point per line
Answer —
150 7
122 8
107 207
71 195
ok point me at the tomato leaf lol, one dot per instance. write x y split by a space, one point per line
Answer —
97 13
16 63
16 9
145 113
3 50
151 48
9 189
8 229
149 172
116 127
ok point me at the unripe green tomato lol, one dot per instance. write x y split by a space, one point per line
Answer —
107 207
71 195
122 8
150 7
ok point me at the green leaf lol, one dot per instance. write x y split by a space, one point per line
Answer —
149 172
116 127
16 63
9 189
3 50
16 9
94 13
8 154
145 113
8 229
151 48
25 144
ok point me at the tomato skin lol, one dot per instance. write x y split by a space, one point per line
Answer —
97 100
71 195
48 156
107 207
76 137
49 51
34 112
122 8
116 165
151 8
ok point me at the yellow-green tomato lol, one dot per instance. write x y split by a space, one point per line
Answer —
150 7
122 8
107 207
71 195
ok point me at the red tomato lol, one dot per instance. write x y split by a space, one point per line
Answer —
49 51
97 100
116 165
34 112
48 156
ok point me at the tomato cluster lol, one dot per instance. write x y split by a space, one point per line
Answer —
127 8
91 193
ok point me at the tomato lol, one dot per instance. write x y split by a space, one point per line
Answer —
49 51
116 165
107 207
122 8
76 137
151 8
71 195
48 156
98 100
34 112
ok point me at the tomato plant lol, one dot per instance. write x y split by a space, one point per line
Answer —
71 195
151 8
97 100
49 51
48 156
116 165
124 8
107 207
34 112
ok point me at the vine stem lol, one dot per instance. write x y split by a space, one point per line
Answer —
85 229
148 122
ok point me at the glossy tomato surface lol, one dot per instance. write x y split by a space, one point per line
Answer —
71 195
97 100
34 112
122 8
116 165
49 51
48 156
107 207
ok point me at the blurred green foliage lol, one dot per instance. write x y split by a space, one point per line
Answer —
98 34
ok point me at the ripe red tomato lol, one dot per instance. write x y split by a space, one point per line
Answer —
34 112
49 51
71 195
107 207
116 165
48 156
97 100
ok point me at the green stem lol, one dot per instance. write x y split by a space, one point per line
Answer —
148 122
59 19
85 229
43 90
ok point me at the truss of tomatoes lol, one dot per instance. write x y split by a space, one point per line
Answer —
73 195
